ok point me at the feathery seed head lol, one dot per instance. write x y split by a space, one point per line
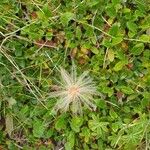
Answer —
74 91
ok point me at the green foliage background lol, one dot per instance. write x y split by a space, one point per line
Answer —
110 38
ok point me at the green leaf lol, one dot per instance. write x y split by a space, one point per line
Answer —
111 55
145 38
132 97
111 11
113 114
121 55
18 52
106 43
9 124
132 26
94 50
60 122
46 10
126 90
137 49
114 30
76 123
78 32
49 133
101 104
38 129
70 141
92 3
49 35
108 90
116 41
119 65
126 10
66 17
99 127
115 127
95 124
86 133
116 1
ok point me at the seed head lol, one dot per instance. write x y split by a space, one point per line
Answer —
74 92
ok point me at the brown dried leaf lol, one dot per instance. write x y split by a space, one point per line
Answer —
84 50
34 15
73 52
1 148
82 61
119 95
60 36
42 43
129 66
39 43
124 45
50 43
